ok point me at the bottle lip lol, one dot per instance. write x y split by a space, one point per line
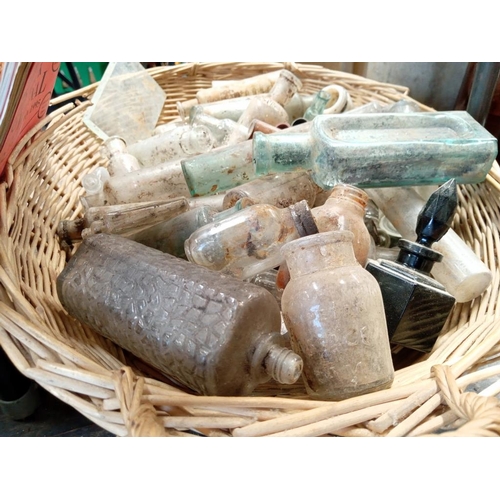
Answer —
303 218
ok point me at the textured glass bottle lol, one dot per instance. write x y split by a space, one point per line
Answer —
249 241
382 149
334 312
209 332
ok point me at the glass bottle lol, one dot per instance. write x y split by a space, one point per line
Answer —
221 130
344 210
233 108
334 312
249 241
196 326
461 272
224 167
176 143
321 100
382 149
120 160
120 219
161 182
417 305
253 85
281 190
169 236
270 108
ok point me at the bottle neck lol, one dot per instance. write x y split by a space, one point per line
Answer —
272 359
285 88
318 252
350 195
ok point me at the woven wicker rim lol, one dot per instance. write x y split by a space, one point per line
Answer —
126 397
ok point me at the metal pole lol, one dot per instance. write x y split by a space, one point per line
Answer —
483 87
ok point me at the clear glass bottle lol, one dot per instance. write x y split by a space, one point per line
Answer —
233 108
161 182
196 326
461 272
123 219
249 241
169 236
176 143
334 312
270 108
281 190
221 130
383 149
345 210
321 100
120 160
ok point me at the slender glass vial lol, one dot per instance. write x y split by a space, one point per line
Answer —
281 190
123 219
461 272
334 312
382 149
211 333
249 241
416 305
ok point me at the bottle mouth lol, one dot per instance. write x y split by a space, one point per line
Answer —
303 219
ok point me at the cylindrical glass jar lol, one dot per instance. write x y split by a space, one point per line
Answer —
334 312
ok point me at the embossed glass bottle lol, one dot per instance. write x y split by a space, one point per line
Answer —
211 333
334 312
382 149
249 241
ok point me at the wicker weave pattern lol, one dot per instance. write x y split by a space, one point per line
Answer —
124 396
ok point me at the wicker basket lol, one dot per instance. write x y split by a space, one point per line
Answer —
126 397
